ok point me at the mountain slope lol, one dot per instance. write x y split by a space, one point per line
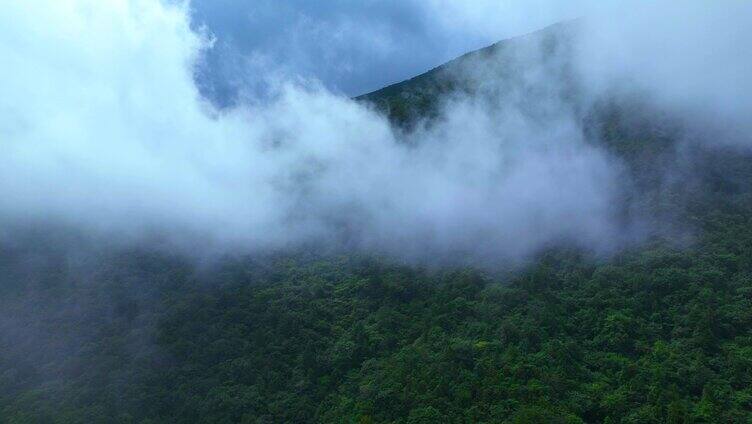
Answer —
658 333
421 96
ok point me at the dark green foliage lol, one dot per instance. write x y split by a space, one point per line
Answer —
489 73
654 335
660 333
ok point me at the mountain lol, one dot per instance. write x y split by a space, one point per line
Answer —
420 97
660 332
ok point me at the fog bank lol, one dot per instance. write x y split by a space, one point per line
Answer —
103 129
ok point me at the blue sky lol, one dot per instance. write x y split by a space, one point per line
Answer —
353 47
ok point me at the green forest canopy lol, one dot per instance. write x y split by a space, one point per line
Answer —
661 332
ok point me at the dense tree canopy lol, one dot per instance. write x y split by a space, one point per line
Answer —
659 333
655 335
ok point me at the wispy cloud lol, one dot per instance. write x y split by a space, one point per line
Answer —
104 129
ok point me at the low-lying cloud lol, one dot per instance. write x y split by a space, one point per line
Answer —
103 129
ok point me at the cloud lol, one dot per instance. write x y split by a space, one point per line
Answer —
691 60
104 129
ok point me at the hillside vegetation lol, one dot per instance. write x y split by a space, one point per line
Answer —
659 333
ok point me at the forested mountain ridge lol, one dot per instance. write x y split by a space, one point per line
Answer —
660 332
421 97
